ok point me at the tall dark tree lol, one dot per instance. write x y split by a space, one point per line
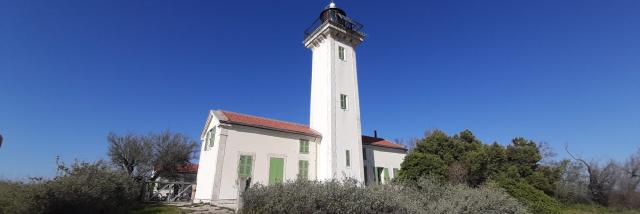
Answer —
462 158
524 155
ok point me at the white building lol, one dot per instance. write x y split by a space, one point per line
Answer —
238 147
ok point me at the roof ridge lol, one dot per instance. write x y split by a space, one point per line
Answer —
265 118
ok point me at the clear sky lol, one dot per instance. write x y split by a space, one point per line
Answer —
559 71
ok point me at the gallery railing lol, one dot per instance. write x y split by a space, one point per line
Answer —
336 18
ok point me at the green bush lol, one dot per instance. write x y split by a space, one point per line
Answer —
535 200
19 197
85 188
421 196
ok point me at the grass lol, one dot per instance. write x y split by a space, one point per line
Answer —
156 208
594 209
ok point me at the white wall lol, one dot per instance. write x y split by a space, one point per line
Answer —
340 128
321 107
382 157
262 144
207 163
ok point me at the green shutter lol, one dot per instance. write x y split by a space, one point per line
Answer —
244 166
212 137
304 146
276 170
303 169
343 101
386 175
206 141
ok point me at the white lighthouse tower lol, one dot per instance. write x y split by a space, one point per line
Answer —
335 106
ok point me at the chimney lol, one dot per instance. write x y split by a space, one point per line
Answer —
375 133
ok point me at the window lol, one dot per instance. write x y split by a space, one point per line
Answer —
395 172
348 159
343 101
366 176
386 175
341 54
244 166
304 146
303 169
212 137
378 176
364 154
206 142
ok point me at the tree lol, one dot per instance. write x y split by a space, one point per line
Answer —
631 170
524 155
601 179
462 158
484 163
146 157
171 150
572 186
132 153
417 165
448 149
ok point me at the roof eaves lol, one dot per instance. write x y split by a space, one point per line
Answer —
315 134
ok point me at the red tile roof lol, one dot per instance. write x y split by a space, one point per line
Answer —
374 141
261 122
188 168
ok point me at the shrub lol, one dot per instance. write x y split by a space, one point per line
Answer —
446 198
324 197
423 196
19 197
85 188
535 200
94 188
625 200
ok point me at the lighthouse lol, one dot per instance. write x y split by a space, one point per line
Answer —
335 106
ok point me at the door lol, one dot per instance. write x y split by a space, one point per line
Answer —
276 170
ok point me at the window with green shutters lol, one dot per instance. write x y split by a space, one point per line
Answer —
244 166
303 169
206 142
304 146
212 137
341 54
343 101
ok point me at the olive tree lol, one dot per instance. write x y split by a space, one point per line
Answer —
146 157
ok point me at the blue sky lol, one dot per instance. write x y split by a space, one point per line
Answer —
563 72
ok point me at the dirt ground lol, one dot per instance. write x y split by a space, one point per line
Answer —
204 208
